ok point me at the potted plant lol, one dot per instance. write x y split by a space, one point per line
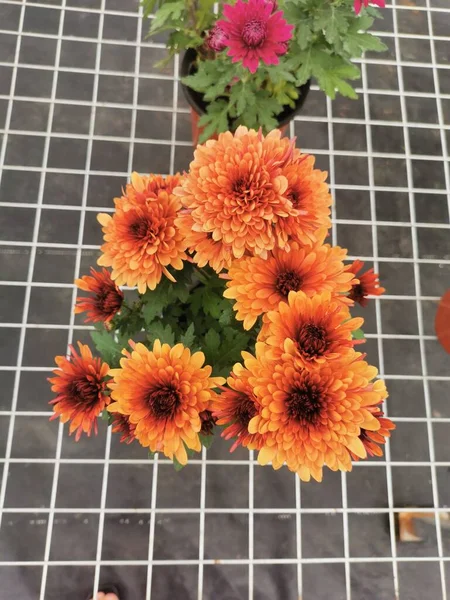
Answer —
251 63
232 269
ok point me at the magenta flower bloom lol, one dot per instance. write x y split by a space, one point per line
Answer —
358 4
255 33
217 39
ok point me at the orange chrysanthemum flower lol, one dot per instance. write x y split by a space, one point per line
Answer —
235 191
365 284
105 300
81 390
372 440
310 195
312 419
141 238
163 391
206 250
235 407
312 330
122 424
259 285
143 187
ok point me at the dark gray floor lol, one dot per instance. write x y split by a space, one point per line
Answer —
51 189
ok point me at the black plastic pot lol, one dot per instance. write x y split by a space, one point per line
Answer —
199 106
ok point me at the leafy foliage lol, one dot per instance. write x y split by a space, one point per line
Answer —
107 346
327 36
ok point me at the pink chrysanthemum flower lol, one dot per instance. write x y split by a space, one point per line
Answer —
358 4
217 39
255 32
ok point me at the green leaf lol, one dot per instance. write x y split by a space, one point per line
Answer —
107 416
358 334
215 120
357 42
303 34
148 6
168 15
163 333
188 338
331 71
177 465
227 315
212 341
151 454
110 350
182 40
206 440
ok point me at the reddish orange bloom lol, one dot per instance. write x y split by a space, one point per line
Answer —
235 407
121 424
141 238
365 284
259 285
312 419
313 330
372 440
310 195
163 392
235 191
106 298
80 386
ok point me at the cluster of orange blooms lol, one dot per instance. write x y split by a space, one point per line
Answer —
256 211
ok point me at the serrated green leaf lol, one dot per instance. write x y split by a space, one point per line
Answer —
169 13
331 71
188 338
358 334
206 440
226 316
212 341
161 332
107 346
215 120
303 34
357 42
148 6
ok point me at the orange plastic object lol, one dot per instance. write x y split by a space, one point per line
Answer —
442 321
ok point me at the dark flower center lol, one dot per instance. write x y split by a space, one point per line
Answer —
108 301
312 340
142 230
304 403
85 391
254 33
208 422
295 197
245 411
357 293
164 402
288 281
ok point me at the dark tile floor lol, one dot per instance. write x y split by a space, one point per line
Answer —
69 137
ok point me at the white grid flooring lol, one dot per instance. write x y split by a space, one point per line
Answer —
435 460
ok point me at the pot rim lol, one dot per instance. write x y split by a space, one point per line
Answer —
197 102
